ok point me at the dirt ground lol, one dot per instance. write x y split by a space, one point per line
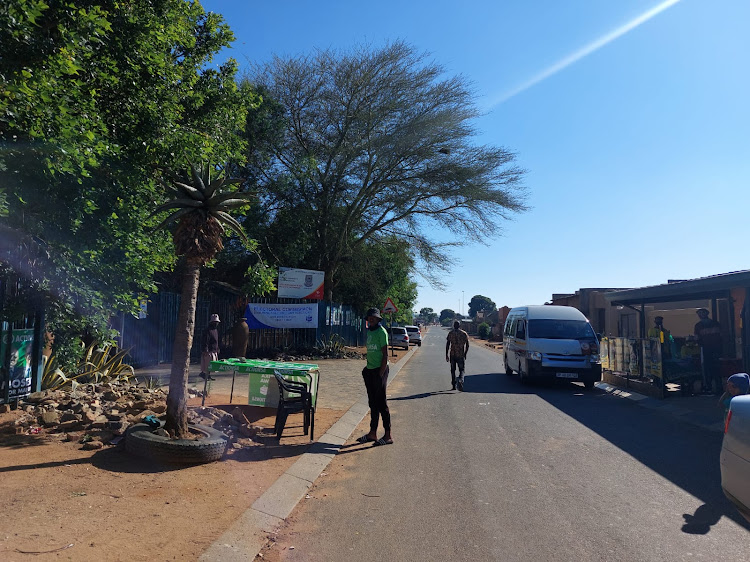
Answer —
63 503
109 505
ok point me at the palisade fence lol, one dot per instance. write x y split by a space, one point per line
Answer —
150 338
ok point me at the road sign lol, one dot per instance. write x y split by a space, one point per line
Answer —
389 307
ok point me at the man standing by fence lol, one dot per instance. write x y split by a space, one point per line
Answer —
209 346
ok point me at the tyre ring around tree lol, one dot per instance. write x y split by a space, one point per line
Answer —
141 441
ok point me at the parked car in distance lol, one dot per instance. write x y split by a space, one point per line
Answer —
415 336
735 455
398 337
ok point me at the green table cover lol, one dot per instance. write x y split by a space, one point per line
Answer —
263 389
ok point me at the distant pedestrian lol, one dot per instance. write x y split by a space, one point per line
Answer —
456 349
708 332
737 384
659 332
375 375
209 346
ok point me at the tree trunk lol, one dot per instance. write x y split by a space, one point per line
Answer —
328 284
183 341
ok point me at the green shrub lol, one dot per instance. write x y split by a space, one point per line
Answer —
95 366
483 330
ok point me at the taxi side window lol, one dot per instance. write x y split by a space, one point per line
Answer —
521 330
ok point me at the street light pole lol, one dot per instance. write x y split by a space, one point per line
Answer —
463 302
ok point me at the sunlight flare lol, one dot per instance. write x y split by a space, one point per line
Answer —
584 51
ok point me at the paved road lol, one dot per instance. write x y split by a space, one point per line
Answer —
504 472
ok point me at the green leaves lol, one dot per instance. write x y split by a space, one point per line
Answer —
95 97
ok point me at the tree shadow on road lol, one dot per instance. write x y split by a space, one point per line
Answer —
660 441
655 438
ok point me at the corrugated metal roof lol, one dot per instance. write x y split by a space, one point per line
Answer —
700 288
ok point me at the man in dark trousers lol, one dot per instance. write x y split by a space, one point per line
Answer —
708 332
375 374
456 349
210 346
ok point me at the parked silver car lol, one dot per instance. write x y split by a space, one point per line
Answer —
415 336
735 455
398 337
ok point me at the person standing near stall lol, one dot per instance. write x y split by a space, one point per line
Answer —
708 332
659 332
209 347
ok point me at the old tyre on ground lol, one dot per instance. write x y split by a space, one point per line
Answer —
140 440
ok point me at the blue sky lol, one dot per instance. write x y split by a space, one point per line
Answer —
638 153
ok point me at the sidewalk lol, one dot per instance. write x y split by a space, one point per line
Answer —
699 411
342 390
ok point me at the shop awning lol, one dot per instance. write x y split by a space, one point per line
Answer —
715 286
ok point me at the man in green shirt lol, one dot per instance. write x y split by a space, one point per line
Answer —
375 374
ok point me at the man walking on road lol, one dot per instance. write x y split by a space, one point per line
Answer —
456 349
375 374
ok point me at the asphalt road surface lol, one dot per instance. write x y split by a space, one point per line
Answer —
506 472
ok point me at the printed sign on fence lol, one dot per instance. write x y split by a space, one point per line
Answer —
300 283
20 364
259 315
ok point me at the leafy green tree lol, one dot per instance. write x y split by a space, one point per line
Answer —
374 143
428 315
376 272
447 314
96 99
479 302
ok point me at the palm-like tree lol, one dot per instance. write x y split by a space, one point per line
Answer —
199 208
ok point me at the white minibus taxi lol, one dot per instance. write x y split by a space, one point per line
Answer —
551 342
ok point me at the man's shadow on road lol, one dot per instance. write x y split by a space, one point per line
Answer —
423 395
701 522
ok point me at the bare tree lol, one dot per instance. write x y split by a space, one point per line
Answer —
378 143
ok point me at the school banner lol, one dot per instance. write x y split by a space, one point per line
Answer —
260 315
20 364
300 283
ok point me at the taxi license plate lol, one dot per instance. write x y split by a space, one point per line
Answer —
567 375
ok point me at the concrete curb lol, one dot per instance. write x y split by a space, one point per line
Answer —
683 414
249 534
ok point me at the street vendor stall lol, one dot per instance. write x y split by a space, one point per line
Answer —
262 387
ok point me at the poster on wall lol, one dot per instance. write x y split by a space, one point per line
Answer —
260 315
300 283
19 381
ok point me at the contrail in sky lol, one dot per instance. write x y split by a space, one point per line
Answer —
585 51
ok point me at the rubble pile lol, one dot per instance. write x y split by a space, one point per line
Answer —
103 411
234 425
95 415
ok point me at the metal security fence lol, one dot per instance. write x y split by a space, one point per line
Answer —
150 337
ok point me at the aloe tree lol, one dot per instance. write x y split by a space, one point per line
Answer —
199 205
